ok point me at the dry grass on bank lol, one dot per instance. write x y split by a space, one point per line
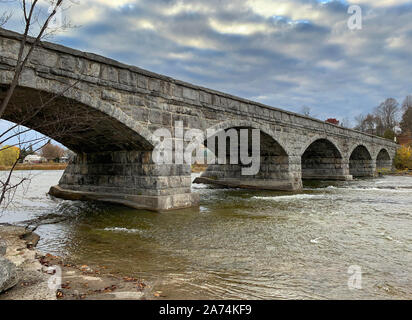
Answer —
196 168
394 172
36 166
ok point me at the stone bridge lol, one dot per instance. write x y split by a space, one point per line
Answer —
107 112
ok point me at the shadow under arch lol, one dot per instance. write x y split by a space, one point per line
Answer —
273 171
322 160
383 160
80 127
360 162
226 125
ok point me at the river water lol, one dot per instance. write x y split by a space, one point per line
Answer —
241 244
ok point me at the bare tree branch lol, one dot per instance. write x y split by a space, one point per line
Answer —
31 14
21 62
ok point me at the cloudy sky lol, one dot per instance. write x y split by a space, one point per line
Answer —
282 53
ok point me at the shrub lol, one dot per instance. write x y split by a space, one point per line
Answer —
403 158
9 155
389 134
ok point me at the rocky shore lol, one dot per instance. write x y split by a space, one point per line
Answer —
27 274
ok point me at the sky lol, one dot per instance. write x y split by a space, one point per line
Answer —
286 54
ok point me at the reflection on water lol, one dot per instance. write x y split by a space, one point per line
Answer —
241 243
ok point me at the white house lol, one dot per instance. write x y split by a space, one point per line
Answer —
34 158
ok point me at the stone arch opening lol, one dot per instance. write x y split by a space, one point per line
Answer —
322 160
114 158
360 162
383 160
79 127
273 171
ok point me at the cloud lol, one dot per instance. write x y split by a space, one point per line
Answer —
283 53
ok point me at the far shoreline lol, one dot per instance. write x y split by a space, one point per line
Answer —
36 166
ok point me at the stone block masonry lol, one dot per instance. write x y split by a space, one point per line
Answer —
111 111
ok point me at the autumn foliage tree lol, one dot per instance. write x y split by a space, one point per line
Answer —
403 158
9 155
52 152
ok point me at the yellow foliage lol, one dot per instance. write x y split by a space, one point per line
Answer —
403 158
9 155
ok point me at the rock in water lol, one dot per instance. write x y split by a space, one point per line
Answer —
31 239
8 274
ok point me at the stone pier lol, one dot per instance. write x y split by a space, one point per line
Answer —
129 178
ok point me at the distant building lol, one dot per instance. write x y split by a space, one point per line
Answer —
333 121
34 158
405 138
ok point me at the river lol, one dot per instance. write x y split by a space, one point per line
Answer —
240 244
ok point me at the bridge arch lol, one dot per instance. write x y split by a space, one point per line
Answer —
229 124
81 123
322 159
383 160
360 162
274 165
113 161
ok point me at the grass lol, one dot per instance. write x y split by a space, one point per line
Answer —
199 167
396 172
36 166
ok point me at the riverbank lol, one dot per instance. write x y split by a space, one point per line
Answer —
36 166
196 168
25 275
41 276
396 172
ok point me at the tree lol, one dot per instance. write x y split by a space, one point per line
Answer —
9 155
407 103
389 134
52 152
22 59
31 16
406 122
371 124
386 114
24 152
383 119
360 123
